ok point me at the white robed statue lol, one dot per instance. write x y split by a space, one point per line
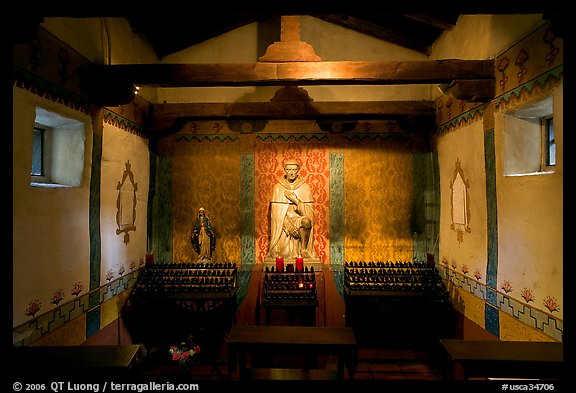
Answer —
291 216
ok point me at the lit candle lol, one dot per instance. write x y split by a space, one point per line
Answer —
149 259
279 263
299 264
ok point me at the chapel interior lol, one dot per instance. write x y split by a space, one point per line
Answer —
146 149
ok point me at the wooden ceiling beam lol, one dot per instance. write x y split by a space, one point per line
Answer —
471 90
294 109
442 23
168 118
296 73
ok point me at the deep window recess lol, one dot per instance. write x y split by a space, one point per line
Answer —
529 139
57 150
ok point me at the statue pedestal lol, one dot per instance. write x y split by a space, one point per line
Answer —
308 263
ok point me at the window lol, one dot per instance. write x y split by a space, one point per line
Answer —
38 165
57 150
529 140
549 143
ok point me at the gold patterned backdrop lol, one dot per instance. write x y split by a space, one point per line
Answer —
378 181
378 200
315 167
206 174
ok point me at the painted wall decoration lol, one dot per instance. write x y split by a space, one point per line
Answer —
378 180
206 174
126 204
538 53
550 302
529 67
33 307
270 154
528 310
54 62
460 203
44 324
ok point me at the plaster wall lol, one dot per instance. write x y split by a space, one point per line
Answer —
119 148
524 262
102 40
478 37
468 253
530 222
105 40
50 225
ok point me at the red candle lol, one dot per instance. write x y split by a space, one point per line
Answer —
279 263
299 264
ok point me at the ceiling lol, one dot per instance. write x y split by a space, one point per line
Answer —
412 24
170 34
412 28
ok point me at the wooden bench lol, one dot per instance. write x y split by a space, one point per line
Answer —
306 341
503 359
75 360
290 374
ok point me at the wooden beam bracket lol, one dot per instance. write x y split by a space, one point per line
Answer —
471 90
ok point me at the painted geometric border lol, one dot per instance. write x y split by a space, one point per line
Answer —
43 324
526 314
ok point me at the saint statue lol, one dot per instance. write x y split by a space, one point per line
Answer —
291 216
203 237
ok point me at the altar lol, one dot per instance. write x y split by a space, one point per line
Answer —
289 294
314 263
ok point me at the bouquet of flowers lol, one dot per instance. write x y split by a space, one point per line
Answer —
185 352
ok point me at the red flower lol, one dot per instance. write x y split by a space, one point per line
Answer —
184 352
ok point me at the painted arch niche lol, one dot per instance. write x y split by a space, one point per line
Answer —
126 204
460 203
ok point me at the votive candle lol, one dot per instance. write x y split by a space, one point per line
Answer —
299 264
279 263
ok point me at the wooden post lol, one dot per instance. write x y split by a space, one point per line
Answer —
290 48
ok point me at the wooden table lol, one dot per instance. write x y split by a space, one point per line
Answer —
503 359
302 340
82 359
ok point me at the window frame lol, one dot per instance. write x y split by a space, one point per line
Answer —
46 149
547 124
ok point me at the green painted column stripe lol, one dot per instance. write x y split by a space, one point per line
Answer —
337 219
492 321
164 192
247 224
93 323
